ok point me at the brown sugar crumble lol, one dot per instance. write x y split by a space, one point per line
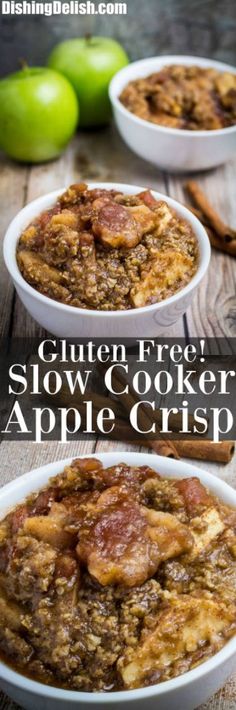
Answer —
111 578
186 97
103 250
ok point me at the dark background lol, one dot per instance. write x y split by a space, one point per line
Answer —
200 27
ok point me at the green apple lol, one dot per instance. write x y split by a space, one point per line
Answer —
38 114
89 64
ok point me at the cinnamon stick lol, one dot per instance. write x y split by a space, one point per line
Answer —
217 243
189 448
100 401
215 240
161 445
198 448
203 450
223 231
174 420
198 213
122 432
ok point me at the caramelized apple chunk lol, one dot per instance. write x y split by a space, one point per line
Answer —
38 273
187 626
167 268
195 495
50 528
116 225
124 543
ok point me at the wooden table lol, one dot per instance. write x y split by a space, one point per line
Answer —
103 157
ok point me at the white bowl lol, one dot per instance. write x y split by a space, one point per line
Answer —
172 149
70 322
186 691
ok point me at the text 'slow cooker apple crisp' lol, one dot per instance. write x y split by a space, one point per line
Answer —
116 578
101 249
187 97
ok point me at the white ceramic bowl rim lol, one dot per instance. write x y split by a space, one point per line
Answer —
45 201
114 91
219 487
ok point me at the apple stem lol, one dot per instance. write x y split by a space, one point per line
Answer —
23 63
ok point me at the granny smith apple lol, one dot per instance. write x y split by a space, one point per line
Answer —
89 64
38 114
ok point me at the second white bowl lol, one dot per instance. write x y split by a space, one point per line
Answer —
172 149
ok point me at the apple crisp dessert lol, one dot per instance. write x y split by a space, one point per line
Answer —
116 578
103 250
187 97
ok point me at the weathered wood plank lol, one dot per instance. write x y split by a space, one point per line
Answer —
213 312
13 182
224 699
20 457
41 179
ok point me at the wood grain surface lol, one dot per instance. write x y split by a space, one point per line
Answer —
102 156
